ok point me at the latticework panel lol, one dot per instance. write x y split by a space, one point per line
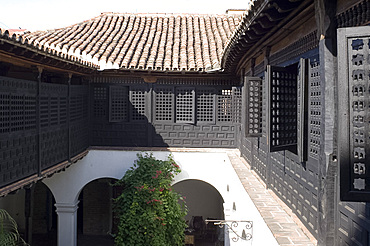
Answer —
253 94
17 105
53 105
354 113
118 103
4 112
225 106
206 105
54 147
79 119
359 110
78 103
315 110
138 102
79 137
100 105
164 104
185 105
18 158
282 108
237 104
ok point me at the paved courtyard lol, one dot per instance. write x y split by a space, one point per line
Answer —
285 226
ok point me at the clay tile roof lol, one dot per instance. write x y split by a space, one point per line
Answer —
160 42
22 39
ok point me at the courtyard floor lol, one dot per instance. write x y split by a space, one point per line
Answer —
284 225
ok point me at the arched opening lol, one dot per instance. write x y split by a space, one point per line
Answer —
95 214
44 217
203 202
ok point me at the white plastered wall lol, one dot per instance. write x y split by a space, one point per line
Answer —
213 168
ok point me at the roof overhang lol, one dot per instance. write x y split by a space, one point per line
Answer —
15 50
264 19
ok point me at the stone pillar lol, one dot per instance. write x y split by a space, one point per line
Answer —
67 223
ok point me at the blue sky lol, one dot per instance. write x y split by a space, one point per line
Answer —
49 14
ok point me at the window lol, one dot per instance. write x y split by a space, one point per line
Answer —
253 95
288 108
225 106
185 105
118 103
206 105
100 102
137 100
164 104
354 113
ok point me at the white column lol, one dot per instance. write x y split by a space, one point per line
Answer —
67 223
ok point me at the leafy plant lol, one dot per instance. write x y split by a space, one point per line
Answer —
9 234
148 209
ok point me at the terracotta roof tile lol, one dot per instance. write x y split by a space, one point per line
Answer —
42 47
173 42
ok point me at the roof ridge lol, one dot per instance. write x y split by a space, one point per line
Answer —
137 41
167 14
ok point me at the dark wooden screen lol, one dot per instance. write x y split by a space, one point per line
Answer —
354 113
253 95
165 115
282 111
118 103
54 124
18 129
35 136
79 124
138 103
206 98
296 183
164 103
185 105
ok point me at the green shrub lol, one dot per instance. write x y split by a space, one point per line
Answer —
9 234
148 209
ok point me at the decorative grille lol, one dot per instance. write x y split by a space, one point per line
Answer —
282 105
118 103
185 105
63 110
237 104
224 106
16 113
354 113
100 102
164 104
54 110
137 99
17 105
206 105
78 103
4 112
53 105
44 111
315 110
253 94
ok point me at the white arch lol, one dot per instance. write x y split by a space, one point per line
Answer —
213 168
189 180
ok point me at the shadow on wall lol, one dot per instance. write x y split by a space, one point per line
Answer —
201 198
117 122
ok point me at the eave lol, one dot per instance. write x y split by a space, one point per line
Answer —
265 18
17 51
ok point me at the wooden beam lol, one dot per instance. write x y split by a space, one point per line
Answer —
27 62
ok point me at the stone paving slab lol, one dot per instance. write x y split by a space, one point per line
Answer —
283 223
